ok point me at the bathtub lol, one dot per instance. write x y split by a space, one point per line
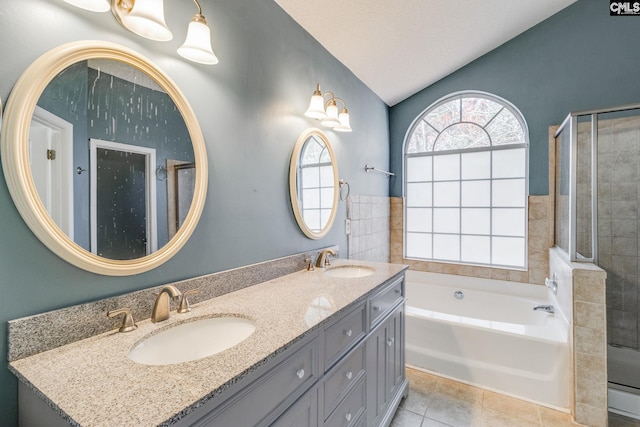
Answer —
491 338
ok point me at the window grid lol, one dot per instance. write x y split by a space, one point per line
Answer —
492 209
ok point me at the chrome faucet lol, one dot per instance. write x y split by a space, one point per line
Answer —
323 258
545 308
161 308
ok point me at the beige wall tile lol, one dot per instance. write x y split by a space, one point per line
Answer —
589 341
592 393
589 286
591 416
589 315
592 367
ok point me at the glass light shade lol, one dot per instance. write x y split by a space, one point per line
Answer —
344 122
332 115
91 5
197 45
316 106
146 19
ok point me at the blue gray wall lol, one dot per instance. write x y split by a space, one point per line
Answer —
581 58
250 108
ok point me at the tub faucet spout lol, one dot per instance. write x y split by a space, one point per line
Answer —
546 308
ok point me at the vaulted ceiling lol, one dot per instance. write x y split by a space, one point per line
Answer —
398 47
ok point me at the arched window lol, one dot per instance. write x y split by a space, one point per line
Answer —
465 182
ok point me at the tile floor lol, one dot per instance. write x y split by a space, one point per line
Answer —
439 402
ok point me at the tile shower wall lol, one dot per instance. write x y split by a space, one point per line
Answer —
618 225
369 238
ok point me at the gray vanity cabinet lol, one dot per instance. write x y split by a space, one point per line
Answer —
264 399
347 372
385 355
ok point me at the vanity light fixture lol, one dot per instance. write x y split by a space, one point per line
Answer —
328 112
146 18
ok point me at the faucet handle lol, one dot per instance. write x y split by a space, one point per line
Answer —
128 324
184 302
309 262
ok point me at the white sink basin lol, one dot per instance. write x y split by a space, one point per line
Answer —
192 340
349 271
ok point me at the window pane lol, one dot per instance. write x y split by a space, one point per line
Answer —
325 214
444 115
446 194
446 220
506 129
508 251
326 176
422 139
419 245
476 165
313 151
508 222
311 199
418 195
476 249
462 135
310 177
446 167
419 168
479 110
476 221
476 193
326 198
509 163
419 219
446 247
508 192
312 218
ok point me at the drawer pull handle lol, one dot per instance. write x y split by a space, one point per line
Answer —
347 417
300 373
349 375
391 341
348 332
376 308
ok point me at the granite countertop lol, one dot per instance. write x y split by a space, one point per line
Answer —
92 382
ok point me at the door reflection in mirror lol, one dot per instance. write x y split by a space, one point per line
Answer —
123 200
315 183
109 100
181 179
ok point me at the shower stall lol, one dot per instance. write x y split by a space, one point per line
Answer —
597 197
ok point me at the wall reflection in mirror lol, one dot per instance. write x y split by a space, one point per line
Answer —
108 149
313 183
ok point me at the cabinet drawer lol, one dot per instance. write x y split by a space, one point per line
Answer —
352 407
387 298
302 414
343 334
340 380
257 404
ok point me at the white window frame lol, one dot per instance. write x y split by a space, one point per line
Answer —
491 149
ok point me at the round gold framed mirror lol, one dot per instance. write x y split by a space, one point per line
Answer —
313 183
152 151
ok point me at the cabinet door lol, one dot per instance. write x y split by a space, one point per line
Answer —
385 364
376 372
395 347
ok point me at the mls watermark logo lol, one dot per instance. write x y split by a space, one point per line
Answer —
624 8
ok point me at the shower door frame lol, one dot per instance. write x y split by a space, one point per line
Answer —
570 123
